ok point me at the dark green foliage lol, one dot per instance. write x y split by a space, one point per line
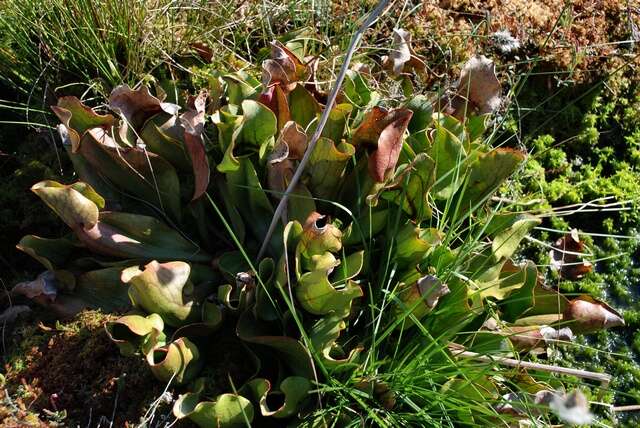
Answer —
589 150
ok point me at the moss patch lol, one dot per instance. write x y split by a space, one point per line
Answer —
74 369
588 151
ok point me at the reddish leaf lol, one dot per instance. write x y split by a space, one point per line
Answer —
276 99
386 156
295 139
290 146
371 126
200 162
203 50
138 105
283 68
78 118
193 123
527 338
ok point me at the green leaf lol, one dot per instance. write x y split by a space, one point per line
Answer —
449 156
326 167
289 350
51 253
64 295
368 225
233 214
476 386
266 291
130 331
212 315
247 195
293 390
508 230
291 236
487 173
178 362
103 289
231 263
227 411
411 187
165 289
511 278
337 122
76 204
476 125
533 300
324 334
412 243
301 203
258 124
421 106
349 267
87 174
356 89
238 89
455 310
135 171
78 119
257 128
304 107
317 296
159 141
137 236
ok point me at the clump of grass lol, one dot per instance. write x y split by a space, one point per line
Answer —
100 43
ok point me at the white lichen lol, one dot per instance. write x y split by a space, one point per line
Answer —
505 42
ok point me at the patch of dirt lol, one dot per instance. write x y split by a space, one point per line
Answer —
76 369
576 40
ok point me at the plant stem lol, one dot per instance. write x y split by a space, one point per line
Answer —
630 408
603 378
355 39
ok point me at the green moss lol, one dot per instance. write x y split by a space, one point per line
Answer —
590 151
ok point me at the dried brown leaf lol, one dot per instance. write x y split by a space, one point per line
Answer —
565 261
402 58
478 89
586 314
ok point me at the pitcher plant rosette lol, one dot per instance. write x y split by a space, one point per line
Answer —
393 254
